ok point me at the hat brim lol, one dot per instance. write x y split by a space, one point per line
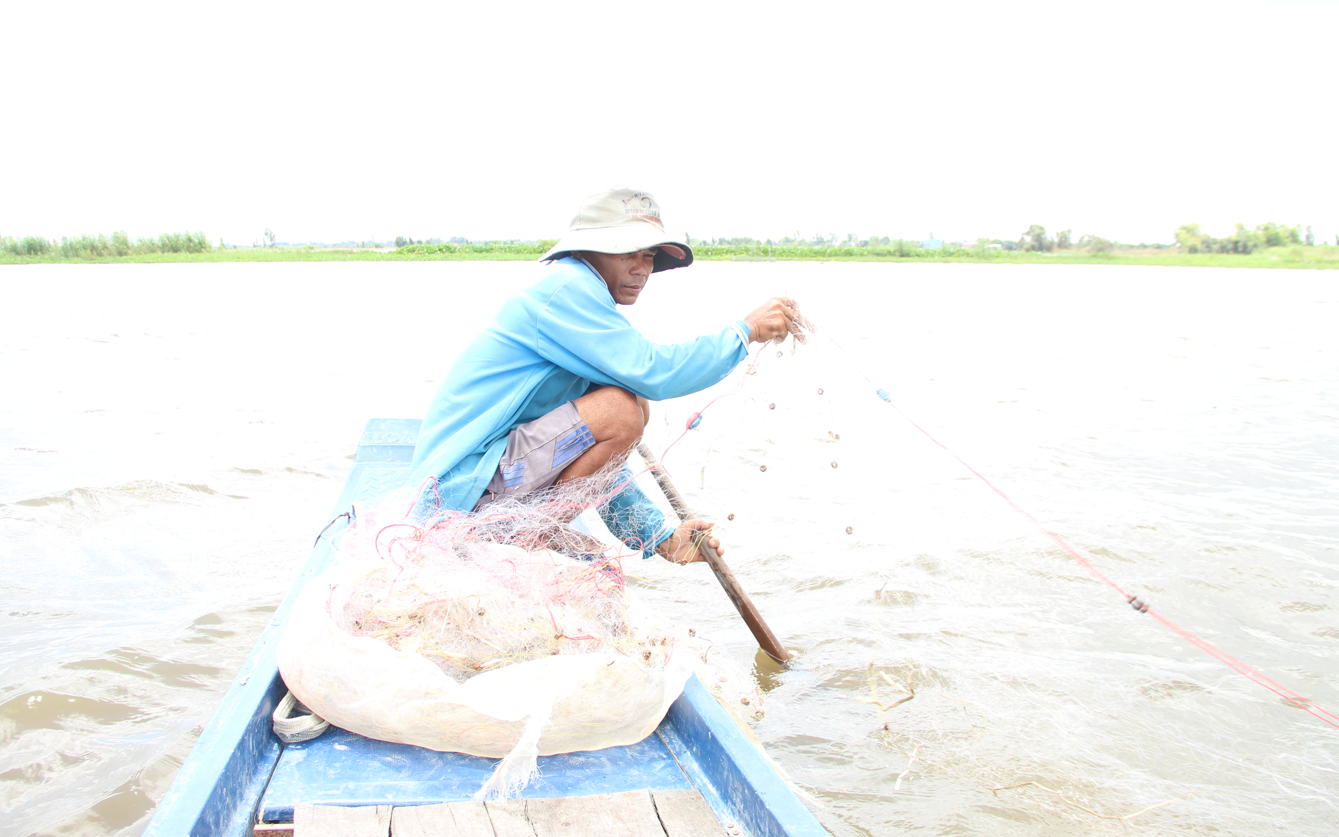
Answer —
627 238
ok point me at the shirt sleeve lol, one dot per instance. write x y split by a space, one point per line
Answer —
741 330
579 329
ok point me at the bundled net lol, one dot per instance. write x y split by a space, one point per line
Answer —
471 607
499 633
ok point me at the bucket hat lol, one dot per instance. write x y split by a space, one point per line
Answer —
622 221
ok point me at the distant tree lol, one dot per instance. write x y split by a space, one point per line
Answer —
269 237
1276 235
1310 237
1062 240
1242 241
32 245
400 241
1190 238
1036 240
1095 244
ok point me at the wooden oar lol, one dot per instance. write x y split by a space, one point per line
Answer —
766 639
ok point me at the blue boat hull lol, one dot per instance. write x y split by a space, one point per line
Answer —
240 773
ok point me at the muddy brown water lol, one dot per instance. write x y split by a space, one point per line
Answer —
173 436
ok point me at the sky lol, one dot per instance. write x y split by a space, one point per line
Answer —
337 121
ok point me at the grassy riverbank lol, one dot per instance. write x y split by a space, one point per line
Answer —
1293 256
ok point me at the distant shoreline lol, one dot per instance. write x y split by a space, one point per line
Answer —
1291 256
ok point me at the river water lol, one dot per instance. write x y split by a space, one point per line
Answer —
172 437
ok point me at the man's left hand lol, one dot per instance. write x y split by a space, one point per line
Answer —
682 546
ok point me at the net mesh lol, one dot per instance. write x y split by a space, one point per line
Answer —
473 592
502 633
472 607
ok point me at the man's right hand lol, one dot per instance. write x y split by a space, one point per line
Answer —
682 547
778 317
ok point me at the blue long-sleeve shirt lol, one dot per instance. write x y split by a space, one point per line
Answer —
547 346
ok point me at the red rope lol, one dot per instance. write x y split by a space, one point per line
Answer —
1204 645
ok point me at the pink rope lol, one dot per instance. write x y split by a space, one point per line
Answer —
1209 648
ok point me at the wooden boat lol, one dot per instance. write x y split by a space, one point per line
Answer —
700 773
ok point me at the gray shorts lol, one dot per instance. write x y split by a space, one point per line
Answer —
538 452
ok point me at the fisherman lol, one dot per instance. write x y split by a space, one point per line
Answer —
559 385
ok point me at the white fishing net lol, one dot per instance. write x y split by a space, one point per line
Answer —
442 631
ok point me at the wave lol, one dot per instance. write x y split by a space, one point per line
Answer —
152 490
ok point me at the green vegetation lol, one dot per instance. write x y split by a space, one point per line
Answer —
1276 257
1268 245
516 249
1192 240
897 249
101 248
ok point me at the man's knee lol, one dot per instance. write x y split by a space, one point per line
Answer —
614 415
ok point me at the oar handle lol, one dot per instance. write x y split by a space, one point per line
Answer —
767 640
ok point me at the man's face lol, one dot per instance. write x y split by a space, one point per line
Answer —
626 274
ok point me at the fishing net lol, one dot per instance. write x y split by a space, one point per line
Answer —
475 633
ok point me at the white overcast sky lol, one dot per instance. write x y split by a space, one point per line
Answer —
337 120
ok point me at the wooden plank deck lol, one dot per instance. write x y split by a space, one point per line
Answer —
643 813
